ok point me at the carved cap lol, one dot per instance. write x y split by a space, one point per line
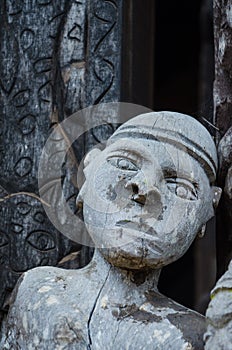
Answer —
180 130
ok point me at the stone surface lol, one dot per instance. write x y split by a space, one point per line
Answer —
145 198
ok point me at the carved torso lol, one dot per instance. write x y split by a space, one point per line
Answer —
94 308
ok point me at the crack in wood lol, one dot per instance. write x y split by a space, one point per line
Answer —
89 346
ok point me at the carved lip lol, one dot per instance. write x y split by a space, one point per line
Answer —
137 226
145 229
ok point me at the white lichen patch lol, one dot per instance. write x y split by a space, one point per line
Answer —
36 340
46 333
75 308
44 289
37 305
161 335
25 322
52 300
159 311
104 302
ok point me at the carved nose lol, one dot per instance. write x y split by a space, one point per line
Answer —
137 195
149 196
139 198
151 201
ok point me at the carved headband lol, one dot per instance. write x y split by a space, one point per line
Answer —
182 131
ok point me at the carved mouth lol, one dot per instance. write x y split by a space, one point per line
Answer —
147 231
141 227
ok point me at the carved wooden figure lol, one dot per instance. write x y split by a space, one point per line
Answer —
146 197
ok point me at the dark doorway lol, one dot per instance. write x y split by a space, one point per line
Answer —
162 69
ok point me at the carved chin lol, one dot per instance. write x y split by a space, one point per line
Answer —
134 259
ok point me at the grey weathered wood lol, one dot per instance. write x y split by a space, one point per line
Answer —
28 56
223 64
219 311
219 314
56 57
109 310
223 116
205 248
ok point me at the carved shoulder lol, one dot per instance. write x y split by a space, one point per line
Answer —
50 307
189 323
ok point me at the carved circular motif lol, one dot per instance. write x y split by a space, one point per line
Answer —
21 98
41 240
14 7
27 124
39 217
23 167
23 208
16 228
27 38
43 65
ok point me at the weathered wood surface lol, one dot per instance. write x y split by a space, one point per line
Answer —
223 64
223 120
205 249
98 307
219 314
56 57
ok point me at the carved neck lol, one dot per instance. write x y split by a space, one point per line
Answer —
142 281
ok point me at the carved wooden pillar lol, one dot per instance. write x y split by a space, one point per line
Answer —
56 57
205 249
223 120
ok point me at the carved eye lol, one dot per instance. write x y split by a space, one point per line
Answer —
3 239
123 164
41 240
207 335
182 188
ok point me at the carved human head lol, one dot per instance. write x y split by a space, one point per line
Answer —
151 190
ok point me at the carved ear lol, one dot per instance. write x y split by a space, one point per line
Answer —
79 204
87 161
90 156
216 195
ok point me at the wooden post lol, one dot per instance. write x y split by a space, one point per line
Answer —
56 57
223 120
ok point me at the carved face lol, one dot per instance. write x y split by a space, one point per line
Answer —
145 201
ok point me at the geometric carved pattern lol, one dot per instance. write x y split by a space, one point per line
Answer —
56 57
27 239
